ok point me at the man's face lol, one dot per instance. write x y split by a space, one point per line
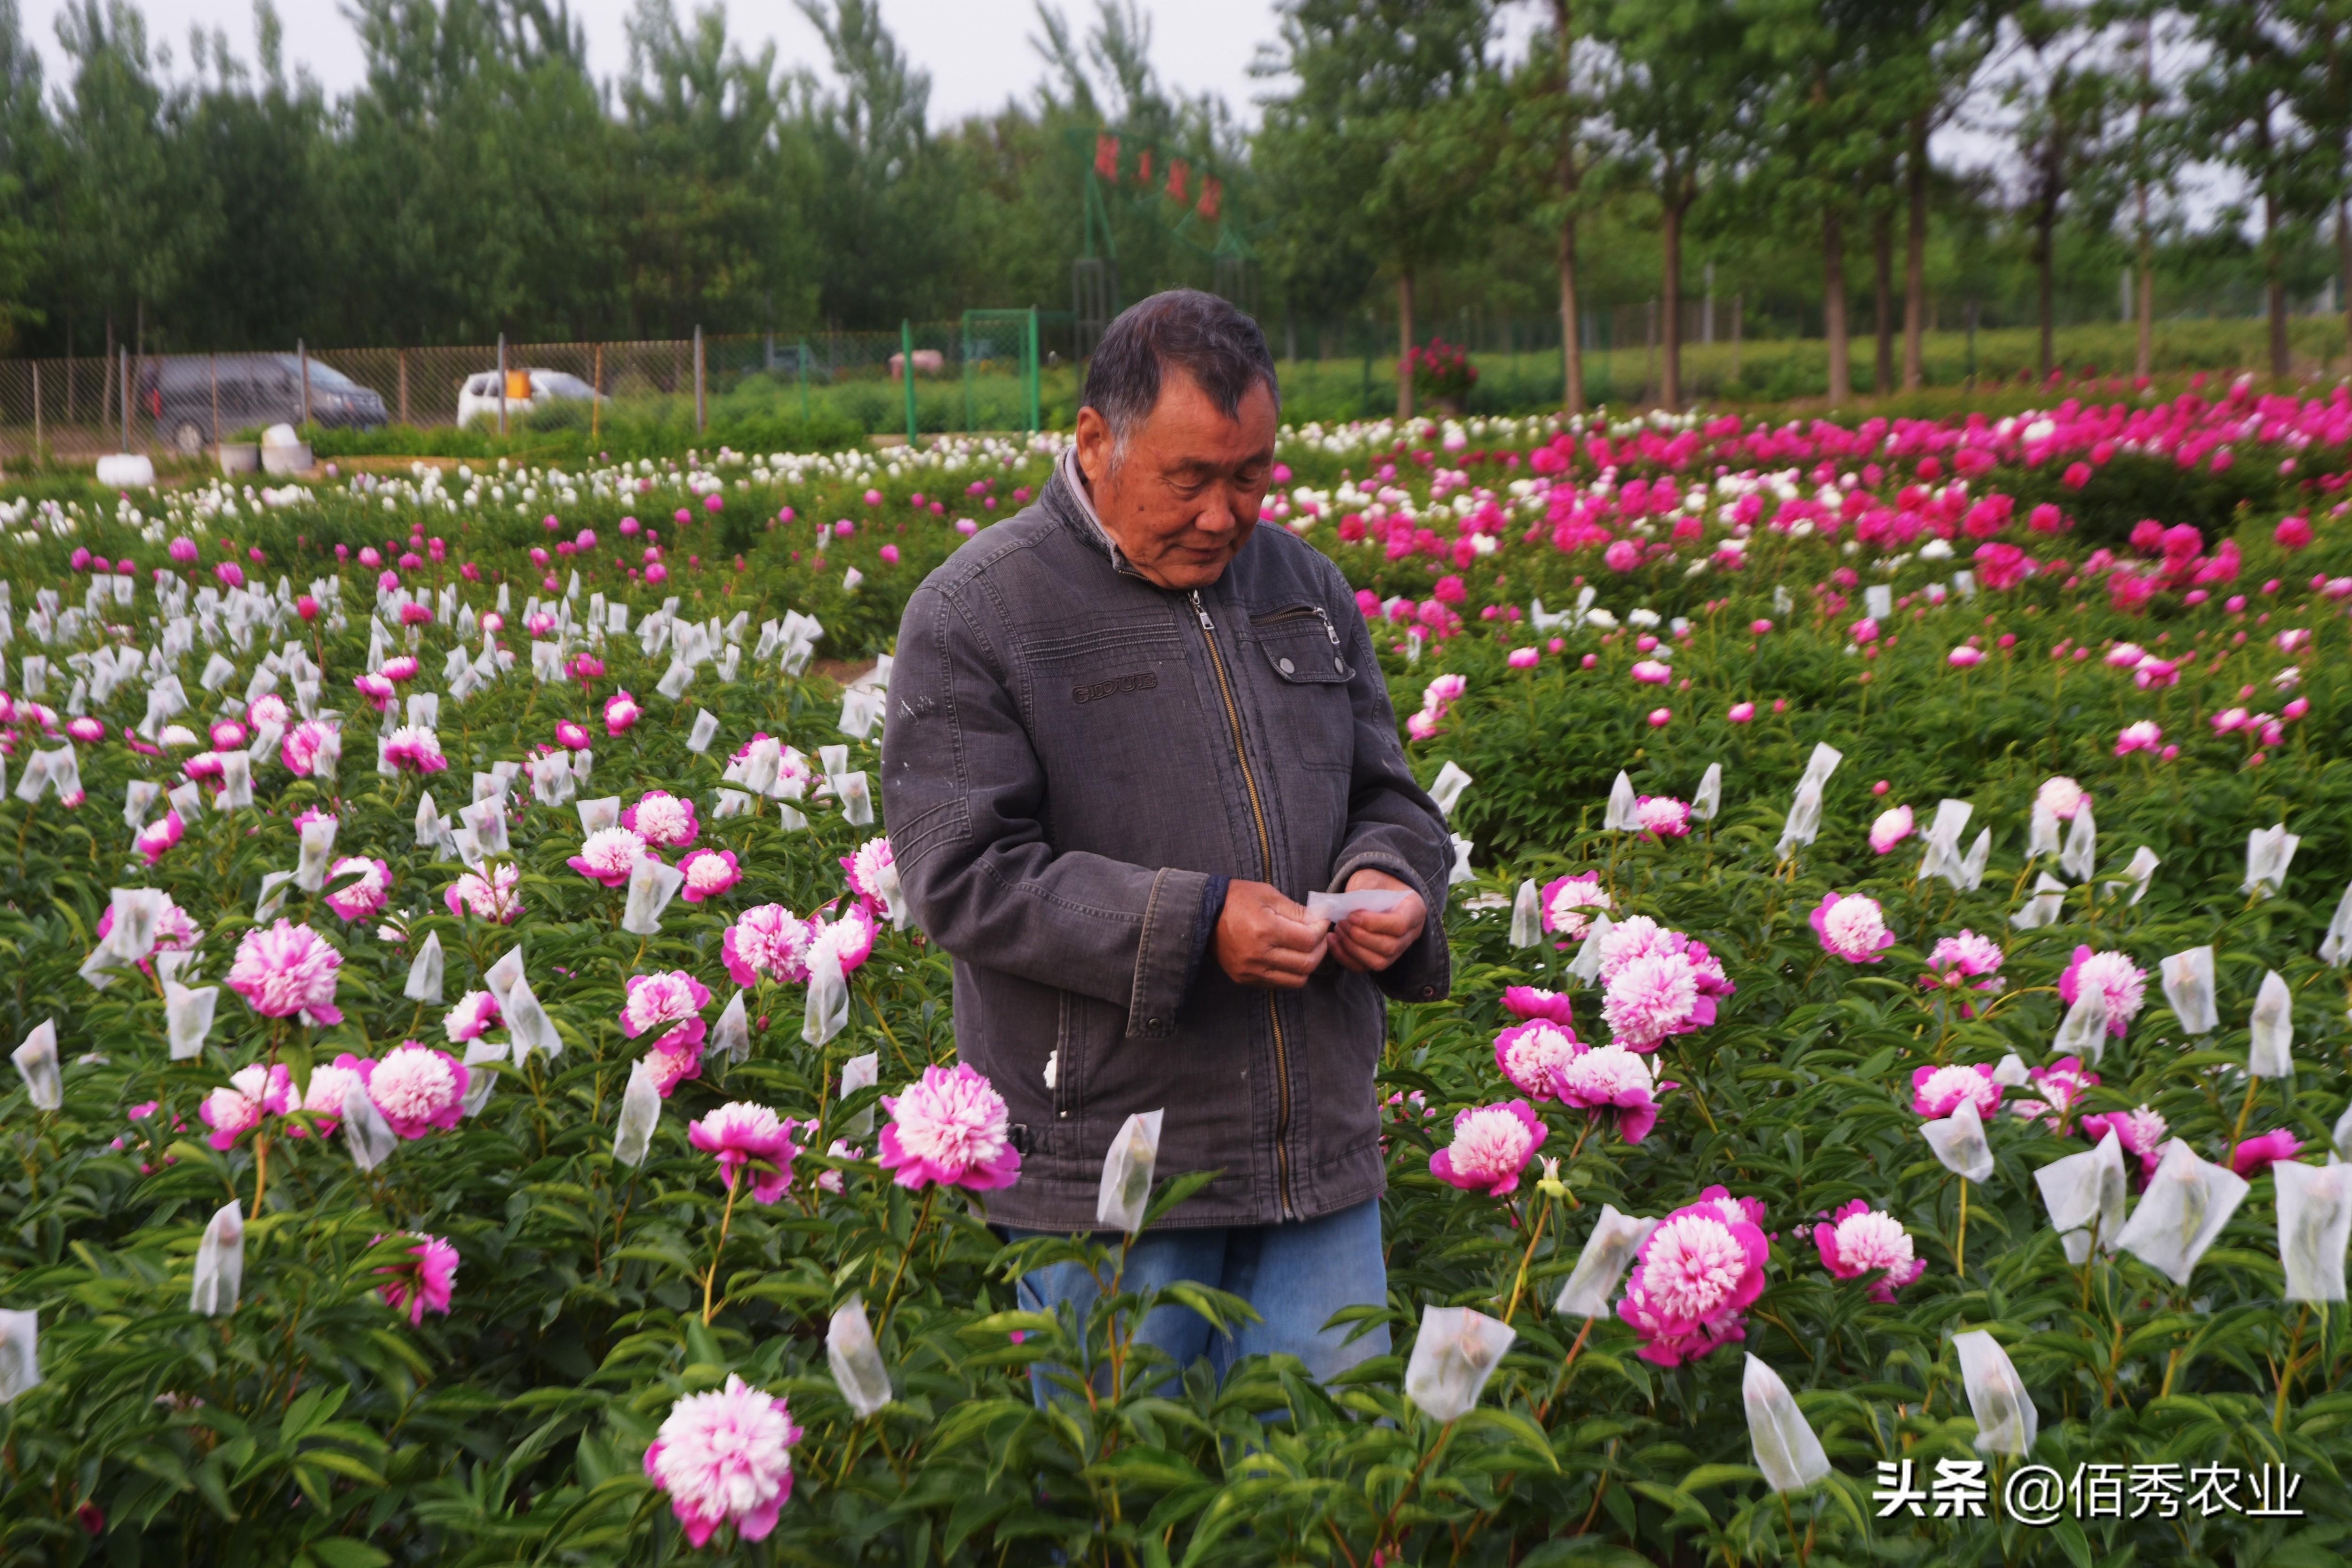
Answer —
1182 500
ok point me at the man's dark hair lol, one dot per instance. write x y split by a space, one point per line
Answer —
1202 335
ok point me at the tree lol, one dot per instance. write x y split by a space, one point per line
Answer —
25 160
1683 102
1395 99
1936 48
2063 96
2240 102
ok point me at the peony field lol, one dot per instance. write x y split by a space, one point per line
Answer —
479 1098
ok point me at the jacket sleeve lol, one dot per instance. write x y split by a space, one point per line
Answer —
1392 824
963 793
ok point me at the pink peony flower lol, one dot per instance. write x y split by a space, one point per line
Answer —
1937 1092
950 1127
606 855
1891 828
751 1138
417 1087
1965 656
415 748
1698 1272
769 942
86 730
175 931
1650 995
621 712
657 1000
2062 797
1611 1078
1860 1240
494 893
2143 736
377 688
252 1093
1492 1144
2062 1084
155 840
663 820
2125 982
299 750
571 736
358 888
1958 960
2142 1132
288 971
424 1284
867 871
1851 927
709 873
228 735
1530 1054
849 938
402 668
323 1096
2253 1157
1662 816
1567 901
725 1458
476 1012
1741 713
1523 658
1533 1002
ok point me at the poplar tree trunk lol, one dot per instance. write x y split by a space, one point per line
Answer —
1670 328
1915 261
2281 361
1571 343
1405 344
1833 325
1883 243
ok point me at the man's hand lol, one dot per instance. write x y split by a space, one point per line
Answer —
1368 942
1263 939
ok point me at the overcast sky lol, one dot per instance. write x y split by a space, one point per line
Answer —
978 51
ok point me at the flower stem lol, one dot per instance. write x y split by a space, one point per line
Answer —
1535 1234
726 1217
1960 1243
2254 1085
899 1273
260 1170
2286 1372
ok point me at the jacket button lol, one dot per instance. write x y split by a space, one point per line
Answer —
1427 992
1151 1022
1284 666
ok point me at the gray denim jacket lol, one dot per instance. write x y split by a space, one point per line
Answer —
1071 754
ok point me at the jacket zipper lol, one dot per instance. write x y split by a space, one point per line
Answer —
1266 851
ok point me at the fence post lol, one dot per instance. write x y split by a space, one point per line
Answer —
36 412
124 357
964 361
404 388
502 383
906 372
302 359
1036 374
1735 335
698 410
596 397
803 359
214 373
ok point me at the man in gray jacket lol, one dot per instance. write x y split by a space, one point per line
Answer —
1130 733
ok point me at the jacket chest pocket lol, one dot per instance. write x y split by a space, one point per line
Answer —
1310 713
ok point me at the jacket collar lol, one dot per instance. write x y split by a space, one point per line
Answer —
1067 499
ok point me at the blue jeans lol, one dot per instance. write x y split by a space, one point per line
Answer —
1295 1275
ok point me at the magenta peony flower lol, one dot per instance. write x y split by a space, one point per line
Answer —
1567 903
1534 1002
417 1087
1530 1054
709 873
323 1096
725 1458
378 689
1699 1271
368 886
769 942
2143 736
1937 1092
175 931
252 1093
606 855
2142 1132
850 938
669 1001
1651 997
402 668
1662 816
663 820
2125 982
865 871
492 894
155 840
415 748
1962 961
1492 1144
299 750
950 1127
2061 1085
475 1014
1860 1240
621 711
228 735
2259 1154
288 971
1965 656
571 737
86 730
1851 927
751 1138
424 1284
1611 1078
1891 828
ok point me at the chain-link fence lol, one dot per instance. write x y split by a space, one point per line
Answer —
988 372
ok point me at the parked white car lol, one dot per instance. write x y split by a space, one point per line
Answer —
478 397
